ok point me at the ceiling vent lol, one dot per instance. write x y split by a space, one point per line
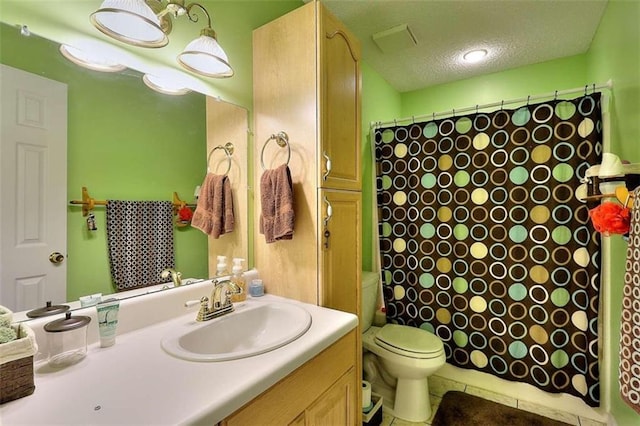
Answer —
394 39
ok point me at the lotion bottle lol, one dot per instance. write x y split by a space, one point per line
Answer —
221 268
238 279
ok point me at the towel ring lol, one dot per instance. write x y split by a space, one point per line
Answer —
282 139
228 151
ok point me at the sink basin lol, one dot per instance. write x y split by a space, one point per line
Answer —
241 334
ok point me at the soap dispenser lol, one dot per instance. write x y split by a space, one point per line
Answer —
238 279
221 268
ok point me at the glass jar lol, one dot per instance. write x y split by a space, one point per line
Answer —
67 340
256 288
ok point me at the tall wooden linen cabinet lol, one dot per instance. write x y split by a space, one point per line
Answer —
307 83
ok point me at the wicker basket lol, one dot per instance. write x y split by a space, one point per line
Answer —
16 365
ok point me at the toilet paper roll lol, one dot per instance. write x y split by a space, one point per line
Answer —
366 394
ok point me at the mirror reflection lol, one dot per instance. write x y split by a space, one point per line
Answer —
123 142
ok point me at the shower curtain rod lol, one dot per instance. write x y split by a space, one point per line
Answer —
589 87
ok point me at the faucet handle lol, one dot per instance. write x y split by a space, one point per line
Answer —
176 277
204 309
191 303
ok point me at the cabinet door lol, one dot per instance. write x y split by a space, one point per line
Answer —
299 421
335 406
286 402
340 236
340 86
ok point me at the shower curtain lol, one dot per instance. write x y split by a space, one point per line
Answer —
484 243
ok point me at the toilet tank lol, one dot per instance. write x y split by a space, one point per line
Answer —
369 298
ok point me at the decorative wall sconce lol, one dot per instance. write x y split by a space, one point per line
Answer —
147 23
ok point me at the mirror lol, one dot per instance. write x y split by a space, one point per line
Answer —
127 142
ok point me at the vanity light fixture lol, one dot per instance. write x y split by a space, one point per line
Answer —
474 56
163 85
146 23
89 60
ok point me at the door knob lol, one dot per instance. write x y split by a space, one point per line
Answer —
56 258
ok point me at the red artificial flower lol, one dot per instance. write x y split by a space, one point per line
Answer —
610 218
185 214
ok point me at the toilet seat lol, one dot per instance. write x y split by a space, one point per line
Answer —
409 341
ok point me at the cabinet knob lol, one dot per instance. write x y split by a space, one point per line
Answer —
326 220
327 165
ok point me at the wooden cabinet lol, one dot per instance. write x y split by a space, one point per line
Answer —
340 88
229 123
306 78
334 407
307 83
324 391
341 249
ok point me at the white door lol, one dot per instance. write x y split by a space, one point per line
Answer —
33 189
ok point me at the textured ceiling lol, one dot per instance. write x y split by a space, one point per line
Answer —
516 33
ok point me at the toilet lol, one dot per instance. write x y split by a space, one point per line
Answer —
398 359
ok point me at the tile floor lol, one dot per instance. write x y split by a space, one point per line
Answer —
438 386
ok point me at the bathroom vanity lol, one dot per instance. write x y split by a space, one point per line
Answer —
309 380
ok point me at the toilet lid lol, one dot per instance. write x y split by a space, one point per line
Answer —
409 341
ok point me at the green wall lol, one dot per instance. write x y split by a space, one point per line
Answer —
615 54
516 83
379 102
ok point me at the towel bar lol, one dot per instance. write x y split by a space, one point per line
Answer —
282 139
228 151
88 203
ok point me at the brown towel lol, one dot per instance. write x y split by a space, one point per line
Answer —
276 197
214 212
629 373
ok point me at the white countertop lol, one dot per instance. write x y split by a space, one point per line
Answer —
137 382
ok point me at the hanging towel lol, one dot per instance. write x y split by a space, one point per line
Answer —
214 212
276 197
140 238
629 374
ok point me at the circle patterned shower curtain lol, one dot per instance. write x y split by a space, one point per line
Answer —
484 243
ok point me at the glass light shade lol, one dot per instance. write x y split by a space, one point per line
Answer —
163 85
205 56
130 21
88 60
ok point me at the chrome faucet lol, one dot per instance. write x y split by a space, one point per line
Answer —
220 300
176 277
